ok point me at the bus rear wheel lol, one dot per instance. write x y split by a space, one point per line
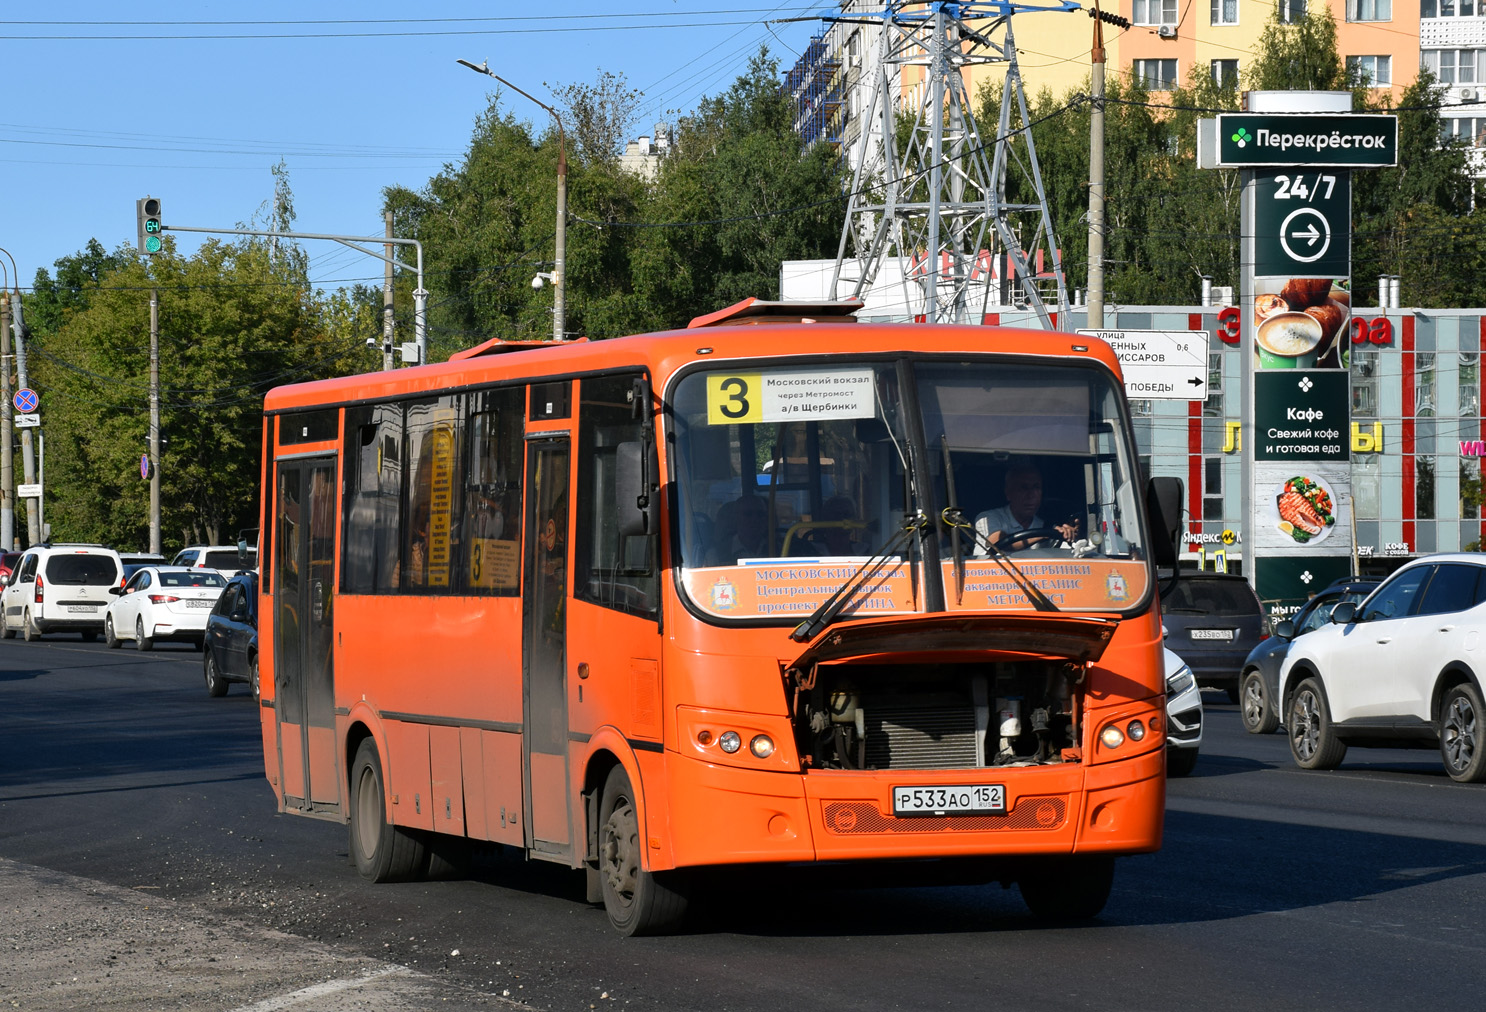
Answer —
638 902
1074 888
381 851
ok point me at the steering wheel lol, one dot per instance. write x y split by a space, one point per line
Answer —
1030 537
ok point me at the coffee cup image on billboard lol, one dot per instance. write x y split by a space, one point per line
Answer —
1299 323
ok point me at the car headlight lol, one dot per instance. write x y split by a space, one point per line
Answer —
1179 681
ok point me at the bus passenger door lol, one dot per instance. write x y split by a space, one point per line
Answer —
304 579
544 650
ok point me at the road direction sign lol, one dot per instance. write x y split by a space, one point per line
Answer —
1160 364
26 400
1302 223
30 421
29 491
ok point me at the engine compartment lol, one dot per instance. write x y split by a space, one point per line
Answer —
882 715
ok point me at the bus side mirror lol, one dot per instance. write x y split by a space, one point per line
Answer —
633 503
242 552
1163 507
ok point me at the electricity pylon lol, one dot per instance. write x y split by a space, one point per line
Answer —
940 199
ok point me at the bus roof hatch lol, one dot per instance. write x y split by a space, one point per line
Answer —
752 312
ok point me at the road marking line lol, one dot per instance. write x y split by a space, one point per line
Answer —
321 990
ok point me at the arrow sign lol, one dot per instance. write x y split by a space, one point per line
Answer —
1310 235
1302 223
1160 364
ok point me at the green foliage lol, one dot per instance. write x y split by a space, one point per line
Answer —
235 320
1301 56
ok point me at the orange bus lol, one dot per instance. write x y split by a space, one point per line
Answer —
742 593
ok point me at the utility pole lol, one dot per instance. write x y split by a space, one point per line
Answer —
155 420
387 298
7 435
28 455
1096 176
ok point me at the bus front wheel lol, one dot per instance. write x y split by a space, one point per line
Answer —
381 851
638 902
1074 888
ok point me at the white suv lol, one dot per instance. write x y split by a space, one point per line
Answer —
1404 667
225 559
60 588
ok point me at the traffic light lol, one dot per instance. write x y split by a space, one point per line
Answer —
148 211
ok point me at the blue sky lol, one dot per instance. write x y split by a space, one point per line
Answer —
109 102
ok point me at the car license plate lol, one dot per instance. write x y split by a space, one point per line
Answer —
83 609
974 799
199 604
1212 634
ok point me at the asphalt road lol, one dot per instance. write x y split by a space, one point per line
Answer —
142 866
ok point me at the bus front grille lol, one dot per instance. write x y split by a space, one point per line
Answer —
921 737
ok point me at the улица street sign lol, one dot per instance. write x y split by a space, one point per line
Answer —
1160 364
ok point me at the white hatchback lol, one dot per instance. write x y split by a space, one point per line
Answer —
1403 667
162 603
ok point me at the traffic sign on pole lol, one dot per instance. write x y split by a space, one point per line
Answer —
25 400
32 491
30 421
1168 365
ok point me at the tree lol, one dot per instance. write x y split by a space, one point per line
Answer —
598 118
1299 55
235 320
78 276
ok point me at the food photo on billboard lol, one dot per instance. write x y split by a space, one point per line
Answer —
1301 323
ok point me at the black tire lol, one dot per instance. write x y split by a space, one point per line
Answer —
253 676
109 636
216 685
1232 692
141 641
1461 729
6 632
90 636
1180 762
1073 888
381 851
29 632
638 902
1258 712
1313 742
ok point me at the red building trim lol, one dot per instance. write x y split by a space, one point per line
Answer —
1194 448
1408 432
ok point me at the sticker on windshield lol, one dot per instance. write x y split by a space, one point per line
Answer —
793 588
778 396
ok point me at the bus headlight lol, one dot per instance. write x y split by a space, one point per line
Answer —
1135 729
729 742
762 746
1111 736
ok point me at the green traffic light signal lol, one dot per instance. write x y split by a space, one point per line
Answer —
147 210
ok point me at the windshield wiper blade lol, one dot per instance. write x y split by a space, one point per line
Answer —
832 607
956 522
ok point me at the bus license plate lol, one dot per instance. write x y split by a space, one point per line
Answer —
975 799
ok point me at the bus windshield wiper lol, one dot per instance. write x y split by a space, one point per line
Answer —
956 522
833 605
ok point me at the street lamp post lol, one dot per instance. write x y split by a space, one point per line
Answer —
559 294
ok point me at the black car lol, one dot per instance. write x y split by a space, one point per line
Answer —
231 647
1212 621
1260 679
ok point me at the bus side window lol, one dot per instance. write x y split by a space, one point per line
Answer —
490 550
612 571
373 499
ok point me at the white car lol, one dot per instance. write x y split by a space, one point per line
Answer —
162 603
60 588
228 560
1183 717
1401 668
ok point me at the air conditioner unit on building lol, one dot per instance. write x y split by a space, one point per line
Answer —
1467 94
1167 31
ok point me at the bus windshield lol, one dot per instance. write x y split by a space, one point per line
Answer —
790 478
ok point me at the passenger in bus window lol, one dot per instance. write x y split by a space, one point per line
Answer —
1023 487
840 530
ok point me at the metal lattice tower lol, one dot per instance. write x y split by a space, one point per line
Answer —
942 197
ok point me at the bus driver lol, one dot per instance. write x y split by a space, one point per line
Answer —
1023 499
